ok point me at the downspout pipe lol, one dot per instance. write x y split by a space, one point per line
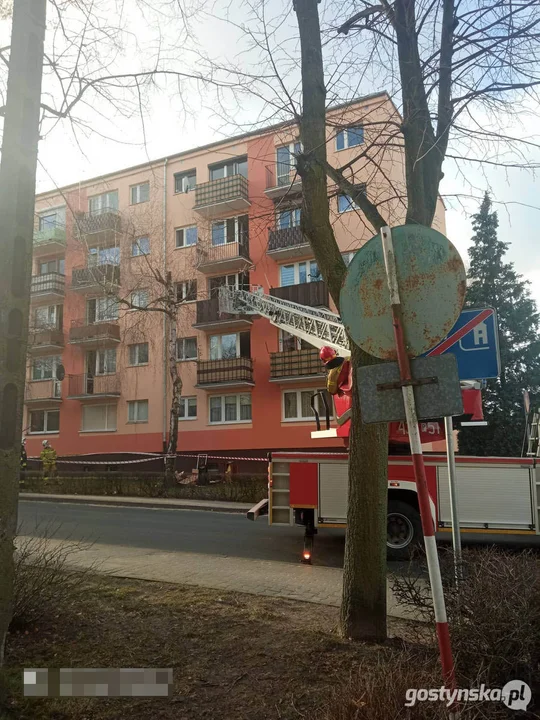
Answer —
164 272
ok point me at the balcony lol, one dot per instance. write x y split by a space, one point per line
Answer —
280 184
43 392
96 334
84 387
210 318
44 339
219 197
233 372
314 294
295 365
287 243
99 227
49 240
226 258
50 286
101 277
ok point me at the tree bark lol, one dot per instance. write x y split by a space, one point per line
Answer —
176 387
363 610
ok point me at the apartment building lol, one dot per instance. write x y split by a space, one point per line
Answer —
227 213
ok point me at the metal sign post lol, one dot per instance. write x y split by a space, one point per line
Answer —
452 484
428 527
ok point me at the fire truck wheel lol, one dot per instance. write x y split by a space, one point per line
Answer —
404 529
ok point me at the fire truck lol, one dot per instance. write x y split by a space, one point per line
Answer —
498 496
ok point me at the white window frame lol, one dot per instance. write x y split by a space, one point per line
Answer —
184 285
185 174
228 241
298 341
52 322
220 345
183 230
106 429
135 299
137 347
229 422
234 162
183 341
296 266
46 413
293 147
135 405
102 302
55 361
59 221
351 206
138 188
100 201
184 403
104 353
299 392
137 250
345 132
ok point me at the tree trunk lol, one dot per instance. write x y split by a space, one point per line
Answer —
17 189
363 611
176 389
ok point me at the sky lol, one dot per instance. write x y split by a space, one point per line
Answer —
173 123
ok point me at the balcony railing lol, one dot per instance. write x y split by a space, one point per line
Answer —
50 236
41 337
229 256
281 181
295 364
314 294
104 222
84 277
208 314
287 242
234 371
43 390
99 332
48 284
80 386
216 196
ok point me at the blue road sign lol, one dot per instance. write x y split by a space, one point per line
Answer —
474 340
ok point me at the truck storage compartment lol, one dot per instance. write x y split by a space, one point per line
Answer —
333 492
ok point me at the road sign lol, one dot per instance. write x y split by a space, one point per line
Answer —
474 340
431 279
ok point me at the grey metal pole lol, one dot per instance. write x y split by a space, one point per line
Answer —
17 192
452 484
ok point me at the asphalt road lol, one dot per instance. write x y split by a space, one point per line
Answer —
210 533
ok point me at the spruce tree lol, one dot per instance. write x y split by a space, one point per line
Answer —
494 282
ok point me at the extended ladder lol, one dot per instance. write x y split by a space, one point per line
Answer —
533 435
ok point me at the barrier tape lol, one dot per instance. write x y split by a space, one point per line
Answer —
148 459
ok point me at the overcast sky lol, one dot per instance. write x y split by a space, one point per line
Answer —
168 129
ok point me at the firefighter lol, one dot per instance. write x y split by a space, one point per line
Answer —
338 371
24 456
228 473
48 460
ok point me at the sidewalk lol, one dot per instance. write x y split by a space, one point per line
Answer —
164 503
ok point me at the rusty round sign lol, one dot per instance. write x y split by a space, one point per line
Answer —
432 284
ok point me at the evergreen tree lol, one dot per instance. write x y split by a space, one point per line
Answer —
494 282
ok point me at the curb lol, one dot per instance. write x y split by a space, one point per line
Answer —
99 500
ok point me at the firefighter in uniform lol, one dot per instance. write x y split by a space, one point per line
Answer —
24 456
48 460
338 371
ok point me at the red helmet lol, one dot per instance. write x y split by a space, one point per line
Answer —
327 353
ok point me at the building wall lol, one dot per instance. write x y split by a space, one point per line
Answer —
157 219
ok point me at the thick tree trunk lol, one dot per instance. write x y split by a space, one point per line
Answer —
176 389
363 611
17 188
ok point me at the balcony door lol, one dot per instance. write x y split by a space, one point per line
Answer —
100 204
230 346
239 281
52 266
286 162
98 363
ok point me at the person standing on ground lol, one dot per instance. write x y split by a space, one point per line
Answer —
48 460
24 456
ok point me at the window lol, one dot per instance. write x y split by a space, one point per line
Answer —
289 218
49 317
229 409
44 368
186 237
286 162
186 348
297 404
301 272
101 362
188 408
232 230
186 291
138 354
103 256
140 193
288 342
346 203
101 309
350 137
141 246
139 299
52 266
185 181
348 256
231 167
103 203
231 345
138 411
45 421
98 418
240 281
50 219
